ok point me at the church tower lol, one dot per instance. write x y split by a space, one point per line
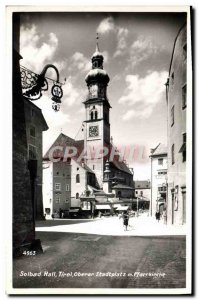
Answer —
97 133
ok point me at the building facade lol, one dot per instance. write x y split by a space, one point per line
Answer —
176 106
35 125
158 179
89 186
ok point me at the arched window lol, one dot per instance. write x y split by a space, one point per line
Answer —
77 195
94 114
77 178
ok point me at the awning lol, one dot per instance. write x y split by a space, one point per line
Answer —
122 208
144 199
104 206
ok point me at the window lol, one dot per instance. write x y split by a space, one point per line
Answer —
32 131
93 167
94 114
160 161
173 154
136 192
172 115
184 96
162 172
162 188
57 186
172 78
57 199
141 193
78 178
67 187
183 148
185 51
32 152
77 195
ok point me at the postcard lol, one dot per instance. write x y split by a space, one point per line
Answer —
102 150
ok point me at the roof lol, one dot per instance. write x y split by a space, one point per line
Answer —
161 149
97 74
174 45
64 140
122 187
142 184
103 206
119 163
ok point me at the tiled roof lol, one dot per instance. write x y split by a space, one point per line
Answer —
122 187
160 149
120 164
64 140
142 184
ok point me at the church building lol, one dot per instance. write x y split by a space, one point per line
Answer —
95 178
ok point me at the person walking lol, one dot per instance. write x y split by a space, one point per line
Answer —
126 219
157 215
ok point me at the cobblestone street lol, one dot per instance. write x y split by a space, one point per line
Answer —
102 261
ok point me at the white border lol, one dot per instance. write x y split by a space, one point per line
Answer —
109 8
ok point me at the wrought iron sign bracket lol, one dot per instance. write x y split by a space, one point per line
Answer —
33 85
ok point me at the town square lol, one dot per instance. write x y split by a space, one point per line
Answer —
101 151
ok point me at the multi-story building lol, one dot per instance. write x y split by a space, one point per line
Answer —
143 193
35 125
158 179
84 179
177 105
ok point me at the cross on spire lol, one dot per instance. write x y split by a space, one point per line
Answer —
97 42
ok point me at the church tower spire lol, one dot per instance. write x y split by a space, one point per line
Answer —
97 133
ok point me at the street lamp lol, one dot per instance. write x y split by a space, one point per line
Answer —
33 85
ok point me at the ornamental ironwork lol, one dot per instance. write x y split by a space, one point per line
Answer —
34 84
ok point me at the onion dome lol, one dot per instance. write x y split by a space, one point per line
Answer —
97 74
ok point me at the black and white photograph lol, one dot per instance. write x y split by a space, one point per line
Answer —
101 150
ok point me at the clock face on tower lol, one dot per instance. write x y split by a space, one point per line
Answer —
93 131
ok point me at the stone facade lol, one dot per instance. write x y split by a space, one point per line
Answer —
176 106
35 125
23 216
158 179
143 188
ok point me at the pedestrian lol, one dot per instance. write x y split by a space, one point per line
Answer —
126 219
157 215
52 216
165 216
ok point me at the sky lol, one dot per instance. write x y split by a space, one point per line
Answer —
137 49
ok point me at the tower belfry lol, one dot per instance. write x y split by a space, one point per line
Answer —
97 133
